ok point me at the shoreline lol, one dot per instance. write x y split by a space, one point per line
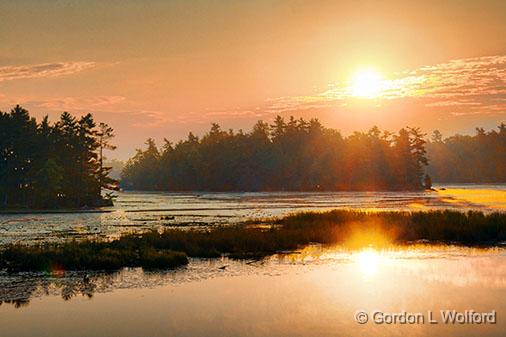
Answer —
54 211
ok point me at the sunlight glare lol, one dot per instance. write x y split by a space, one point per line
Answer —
368 261
366 83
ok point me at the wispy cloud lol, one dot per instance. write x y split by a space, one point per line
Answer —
470 86
86 103
43 70
467 86
459 87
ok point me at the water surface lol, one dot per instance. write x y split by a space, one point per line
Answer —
314 292
140 211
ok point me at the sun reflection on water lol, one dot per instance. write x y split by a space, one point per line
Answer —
368 261
448 264
490 198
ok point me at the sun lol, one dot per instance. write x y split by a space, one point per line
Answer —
366 83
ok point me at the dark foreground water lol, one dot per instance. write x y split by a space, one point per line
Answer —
315 292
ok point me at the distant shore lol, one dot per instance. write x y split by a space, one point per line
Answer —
97 207
53 211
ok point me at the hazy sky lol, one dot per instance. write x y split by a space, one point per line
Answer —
164 68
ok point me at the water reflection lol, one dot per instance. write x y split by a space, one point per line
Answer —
487 198
18 289
449 264
453 265
312 292
368 261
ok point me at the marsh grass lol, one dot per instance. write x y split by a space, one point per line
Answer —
352 228
87 255
466 228
170 248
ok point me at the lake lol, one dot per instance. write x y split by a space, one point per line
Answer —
316 291
140 211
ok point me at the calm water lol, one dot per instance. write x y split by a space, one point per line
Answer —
136 211
313 292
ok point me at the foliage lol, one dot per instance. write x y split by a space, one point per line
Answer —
47 166
288 155
469 159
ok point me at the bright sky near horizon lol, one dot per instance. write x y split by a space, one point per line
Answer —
164 68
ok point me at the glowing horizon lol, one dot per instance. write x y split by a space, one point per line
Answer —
191 64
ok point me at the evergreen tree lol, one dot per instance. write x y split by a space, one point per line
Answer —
296 155
44 165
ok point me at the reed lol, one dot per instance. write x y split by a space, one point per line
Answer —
170 248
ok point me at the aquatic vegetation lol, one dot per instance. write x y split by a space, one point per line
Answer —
86 255
468 228
353 229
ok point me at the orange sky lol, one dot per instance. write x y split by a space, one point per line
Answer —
169 67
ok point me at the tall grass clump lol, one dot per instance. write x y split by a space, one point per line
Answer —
170 248
333 227
86 255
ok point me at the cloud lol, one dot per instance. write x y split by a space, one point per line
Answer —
462 87
43 70
467 86
86 103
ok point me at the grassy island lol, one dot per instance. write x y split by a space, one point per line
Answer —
353 229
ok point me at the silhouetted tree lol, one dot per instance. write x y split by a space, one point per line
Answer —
427 182
469 159
44 165
105 133
294 155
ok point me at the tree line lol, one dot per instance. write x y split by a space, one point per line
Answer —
480 158
44 165
294 154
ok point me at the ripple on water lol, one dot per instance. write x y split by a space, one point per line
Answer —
453 265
